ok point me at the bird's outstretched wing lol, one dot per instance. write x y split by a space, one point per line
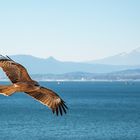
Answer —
50 99
15 71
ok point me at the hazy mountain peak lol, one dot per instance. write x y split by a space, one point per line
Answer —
123 58
122 54
51 58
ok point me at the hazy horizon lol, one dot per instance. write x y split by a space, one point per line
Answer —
78 30
53 57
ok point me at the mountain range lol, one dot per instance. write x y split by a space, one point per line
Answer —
131 58
119 64
51 65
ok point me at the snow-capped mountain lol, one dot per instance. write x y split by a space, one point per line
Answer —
131 58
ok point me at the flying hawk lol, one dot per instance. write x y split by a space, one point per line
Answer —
22 82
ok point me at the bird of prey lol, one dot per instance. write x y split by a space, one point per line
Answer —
22 82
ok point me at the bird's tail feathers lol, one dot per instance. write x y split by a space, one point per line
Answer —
7 90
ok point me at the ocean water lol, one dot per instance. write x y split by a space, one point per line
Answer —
97 111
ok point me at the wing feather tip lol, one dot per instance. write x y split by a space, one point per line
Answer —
61 113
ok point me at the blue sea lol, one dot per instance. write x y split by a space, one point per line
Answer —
97 111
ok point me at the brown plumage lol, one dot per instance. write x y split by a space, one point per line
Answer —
22 82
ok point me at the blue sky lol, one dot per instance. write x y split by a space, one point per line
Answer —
75 30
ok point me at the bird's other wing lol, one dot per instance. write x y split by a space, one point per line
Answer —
50 99
15 71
